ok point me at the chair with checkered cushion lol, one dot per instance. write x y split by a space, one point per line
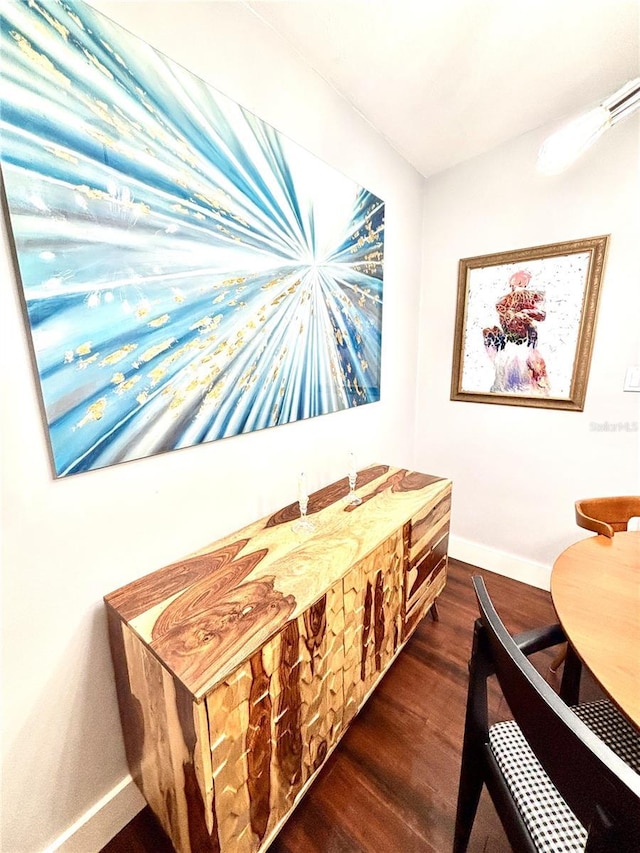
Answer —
561 778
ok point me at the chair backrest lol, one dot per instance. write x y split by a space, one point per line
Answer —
607 515
602 790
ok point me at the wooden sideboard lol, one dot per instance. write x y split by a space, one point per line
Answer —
239 668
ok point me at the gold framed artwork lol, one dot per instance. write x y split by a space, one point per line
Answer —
525 322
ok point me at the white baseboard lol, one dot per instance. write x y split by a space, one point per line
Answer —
526 571
97 826
109 815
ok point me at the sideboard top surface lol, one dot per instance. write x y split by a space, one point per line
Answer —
205 614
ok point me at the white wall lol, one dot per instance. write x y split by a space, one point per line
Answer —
68 542
517 471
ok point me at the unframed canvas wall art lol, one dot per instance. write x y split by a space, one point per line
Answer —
189 272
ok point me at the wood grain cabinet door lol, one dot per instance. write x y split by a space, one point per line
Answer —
273 721
373 597
426 540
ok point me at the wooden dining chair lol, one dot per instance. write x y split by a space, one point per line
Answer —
607 516
560 777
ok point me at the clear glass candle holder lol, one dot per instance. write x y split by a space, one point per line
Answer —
352 498
303 524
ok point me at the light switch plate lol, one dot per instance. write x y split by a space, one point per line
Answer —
632 379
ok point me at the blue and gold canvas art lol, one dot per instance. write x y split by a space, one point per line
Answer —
189 273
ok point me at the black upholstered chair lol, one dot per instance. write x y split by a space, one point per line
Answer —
561 778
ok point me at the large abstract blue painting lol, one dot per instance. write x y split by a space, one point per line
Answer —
189 273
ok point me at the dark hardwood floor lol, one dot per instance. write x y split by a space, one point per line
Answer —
391 784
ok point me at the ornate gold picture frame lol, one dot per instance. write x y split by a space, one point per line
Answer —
525 323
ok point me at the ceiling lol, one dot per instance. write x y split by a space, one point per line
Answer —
445 80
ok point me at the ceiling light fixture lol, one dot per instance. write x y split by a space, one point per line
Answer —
561 149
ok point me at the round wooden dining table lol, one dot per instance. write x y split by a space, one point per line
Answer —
595 588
